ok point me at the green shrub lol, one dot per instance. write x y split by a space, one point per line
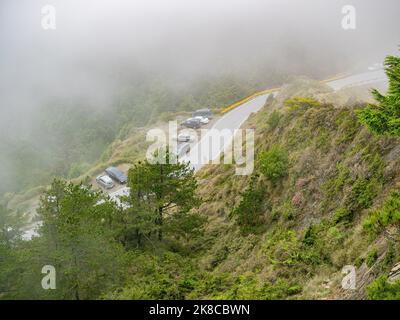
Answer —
279 290
381 289
336 184
248 286
388 215
390 256
359 261
364 192
284 248
349 127
285 211
250 209
342 215
273 119
301 104
371 258
322 140
384 118
274 163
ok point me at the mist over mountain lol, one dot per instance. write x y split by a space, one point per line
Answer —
102 48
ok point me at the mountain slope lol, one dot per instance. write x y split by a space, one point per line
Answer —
306 225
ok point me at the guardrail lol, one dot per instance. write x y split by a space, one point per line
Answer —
236 104
259 93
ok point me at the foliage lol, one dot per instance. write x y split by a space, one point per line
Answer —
164 276
250 209
67 136
364 192
384 117
10 234
162 186
286 249
273 119
247 286
371 257
274 163
343 215
286 211
77 240
381 289
301 104
388 215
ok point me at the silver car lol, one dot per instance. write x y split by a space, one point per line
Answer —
184 137
105 181
202 120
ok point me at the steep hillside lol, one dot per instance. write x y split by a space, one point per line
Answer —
289 229
324 194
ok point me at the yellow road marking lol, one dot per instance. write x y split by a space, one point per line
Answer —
259 93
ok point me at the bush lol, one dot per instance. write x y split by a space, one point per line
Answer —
301 104
381 289
274 163
364 192
249 211
343 215
383 118
249 286
388 215
371 258
286 211
273 120
284 248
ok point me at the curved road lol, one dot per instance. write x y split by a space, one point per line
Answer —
207 150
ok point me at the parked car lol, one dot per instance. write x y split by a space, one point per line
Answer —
105 181
192 123
182 137
205 113
116 175
183 149
202 119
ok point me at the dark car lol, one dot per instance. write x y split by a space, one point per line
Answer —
205 113
192 123
116 175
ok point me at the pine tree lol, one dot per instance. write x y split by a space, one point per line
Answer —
164 186
384 117
78 240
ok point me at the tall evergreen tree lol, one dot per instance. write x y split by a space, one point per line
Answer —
162 187
77 240
384 117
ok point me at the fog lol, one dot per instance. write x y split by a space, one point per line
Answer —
101 46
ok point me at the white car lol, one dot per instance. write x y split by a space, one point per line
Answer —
105 181
202 119
182 137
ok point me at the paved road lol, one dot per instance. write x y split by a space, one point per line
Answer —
207 150
361 79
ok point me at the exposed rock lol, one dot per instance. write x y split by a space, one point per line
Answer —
394 154
394 274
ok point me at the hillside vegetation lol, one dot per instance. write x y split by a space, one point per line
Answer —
324 194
